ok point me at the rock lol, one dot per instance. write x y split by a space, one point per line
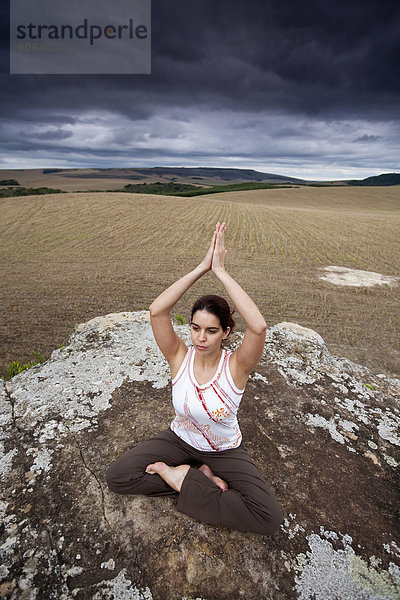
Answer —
323 431
356 278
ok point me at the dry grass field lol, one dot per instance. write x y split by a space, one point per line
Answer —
66 258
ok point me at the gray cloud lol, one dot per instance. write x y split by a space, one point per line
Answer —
257 84
368 138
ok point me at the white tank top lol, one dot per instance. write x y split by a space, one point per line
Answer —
206 414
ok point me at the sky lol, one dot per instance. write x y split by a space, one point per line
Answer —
305 89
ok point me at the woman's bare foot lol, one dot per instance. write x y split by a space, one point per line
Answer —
217 480
174 476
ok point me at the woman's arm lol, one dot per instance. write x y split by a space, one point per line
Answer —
170 344
246 357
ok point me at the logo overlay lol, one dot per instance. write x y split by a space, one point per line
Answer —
75 37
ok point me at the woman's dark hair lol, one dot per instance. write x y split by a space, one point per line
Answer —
218 306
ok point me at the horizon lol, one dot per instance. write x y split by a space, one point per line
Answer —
246 168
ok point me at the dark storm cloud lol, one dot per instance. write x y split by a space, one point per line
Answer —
283 75
309 56
368 138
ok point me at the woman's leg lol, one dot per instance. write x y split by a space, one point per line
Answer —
127 475
247 505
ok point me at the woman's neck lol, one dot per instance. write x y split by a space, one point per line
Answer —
208 362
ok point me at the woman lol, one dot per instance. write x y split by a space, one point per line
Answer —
207 385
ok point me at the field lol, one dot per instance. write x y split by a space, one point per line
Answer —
67 258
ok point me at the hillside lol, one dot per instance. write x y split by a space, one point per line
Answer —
105 179
384 179
200 175
102 179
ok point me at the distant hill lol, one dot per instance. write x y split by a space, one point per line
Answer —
196 175
209 178
224 174
384 179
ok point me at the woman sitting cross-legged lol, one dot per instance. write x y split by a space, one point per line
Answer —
200 458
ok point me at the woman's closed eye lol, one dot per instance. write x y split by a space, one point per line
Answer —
195 328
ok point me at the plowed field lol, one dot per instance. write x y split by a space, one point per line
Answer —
66 258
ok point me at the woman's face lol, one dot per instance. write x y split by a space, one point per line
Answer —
207 333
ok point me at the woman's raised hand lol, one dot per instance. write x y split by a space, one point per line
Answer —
212 260
207 260
218 257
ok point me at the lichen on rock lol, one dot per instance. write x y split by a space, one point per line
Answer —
321 429
339 573
362 406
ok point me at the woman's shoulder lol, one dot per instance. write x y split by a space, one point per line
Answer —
233 375
178 364
239 378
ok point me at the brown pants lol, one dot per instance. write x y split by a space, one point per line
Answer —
247 505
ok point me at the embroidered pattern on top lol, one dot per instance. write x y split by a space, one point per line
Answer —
227 408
